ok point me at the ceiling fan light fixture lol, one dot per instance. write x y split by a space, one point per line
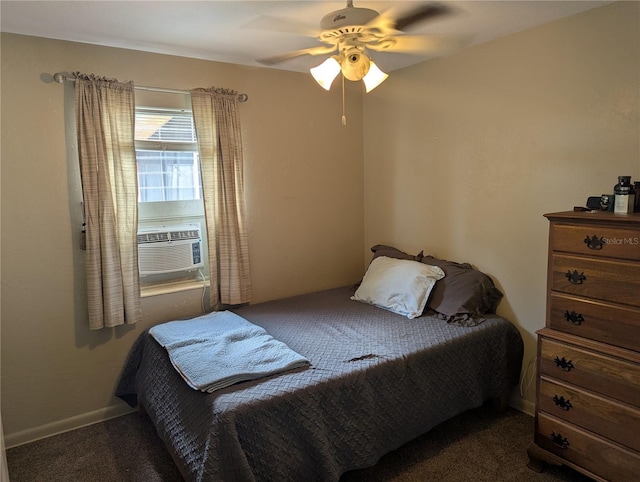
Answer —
326 72
374 77
355 64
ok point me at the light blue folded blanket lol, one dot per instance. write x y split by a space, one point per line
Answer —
219 349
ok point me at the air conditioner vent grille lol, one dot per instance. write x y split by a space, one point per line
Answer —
153 238
187 234
164 236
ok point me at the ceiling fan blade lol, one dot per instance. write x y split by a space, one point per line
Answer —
421 44
421 13
282 25
276 59
383 23
392 21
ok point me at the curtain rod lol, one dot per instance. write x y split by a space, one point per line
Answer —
61 78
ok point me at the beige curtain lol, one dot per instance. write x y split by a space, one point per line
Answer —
217 123
105 113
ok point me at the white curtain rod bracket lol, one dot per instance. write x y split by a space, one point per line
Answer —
62 78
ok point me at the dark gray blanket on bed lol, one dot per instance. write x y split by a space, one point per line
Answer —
377 380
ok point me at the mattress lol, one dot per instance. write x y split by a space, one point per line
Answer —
376 381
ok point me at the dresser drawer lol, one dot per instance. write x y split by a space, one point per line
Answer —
609 280
603 416
623 243
597 455
596 320
595 372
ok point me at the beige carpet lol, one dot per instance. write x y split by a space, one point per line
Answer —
478 446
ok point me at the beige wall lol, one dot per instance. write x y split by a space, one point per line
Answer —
304 205
463 155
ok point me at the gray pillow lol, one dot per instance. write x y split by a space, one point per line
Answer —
464 292
391 252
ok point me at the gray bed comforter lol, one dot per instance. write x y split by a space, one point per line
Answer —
376 381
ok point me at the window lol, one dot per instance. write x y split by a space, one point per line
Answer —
167 155
169 193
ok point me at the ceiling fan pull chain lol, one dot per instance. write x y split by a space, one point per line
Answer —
344 115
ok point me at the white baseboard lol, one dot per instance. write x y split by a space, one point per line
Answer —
61 426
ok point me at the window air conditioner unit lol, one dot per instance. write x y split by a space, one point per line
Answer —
169 249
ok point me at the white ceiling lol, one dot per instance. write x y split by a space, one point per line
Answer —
220 30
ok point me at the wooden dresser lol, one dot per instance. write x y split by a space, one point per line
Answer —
588 378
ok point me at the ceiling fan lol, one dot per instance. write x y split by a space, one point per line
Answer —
349 33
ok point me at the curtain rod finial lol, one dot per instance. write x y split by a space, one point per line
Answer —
58 77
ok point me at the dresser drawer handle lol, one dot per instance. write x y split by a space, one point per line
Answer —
559 440
575 277
594 242
563 364
562 403
573 317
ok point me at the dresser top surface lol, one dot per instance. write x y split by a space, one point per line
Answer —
596 217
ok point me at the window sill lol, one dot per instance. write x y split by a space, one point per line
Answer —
172 287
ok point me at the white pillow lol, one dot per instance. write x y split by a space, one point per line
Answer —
398 285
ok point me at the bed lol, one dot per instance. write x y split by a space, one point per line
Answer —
377 380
